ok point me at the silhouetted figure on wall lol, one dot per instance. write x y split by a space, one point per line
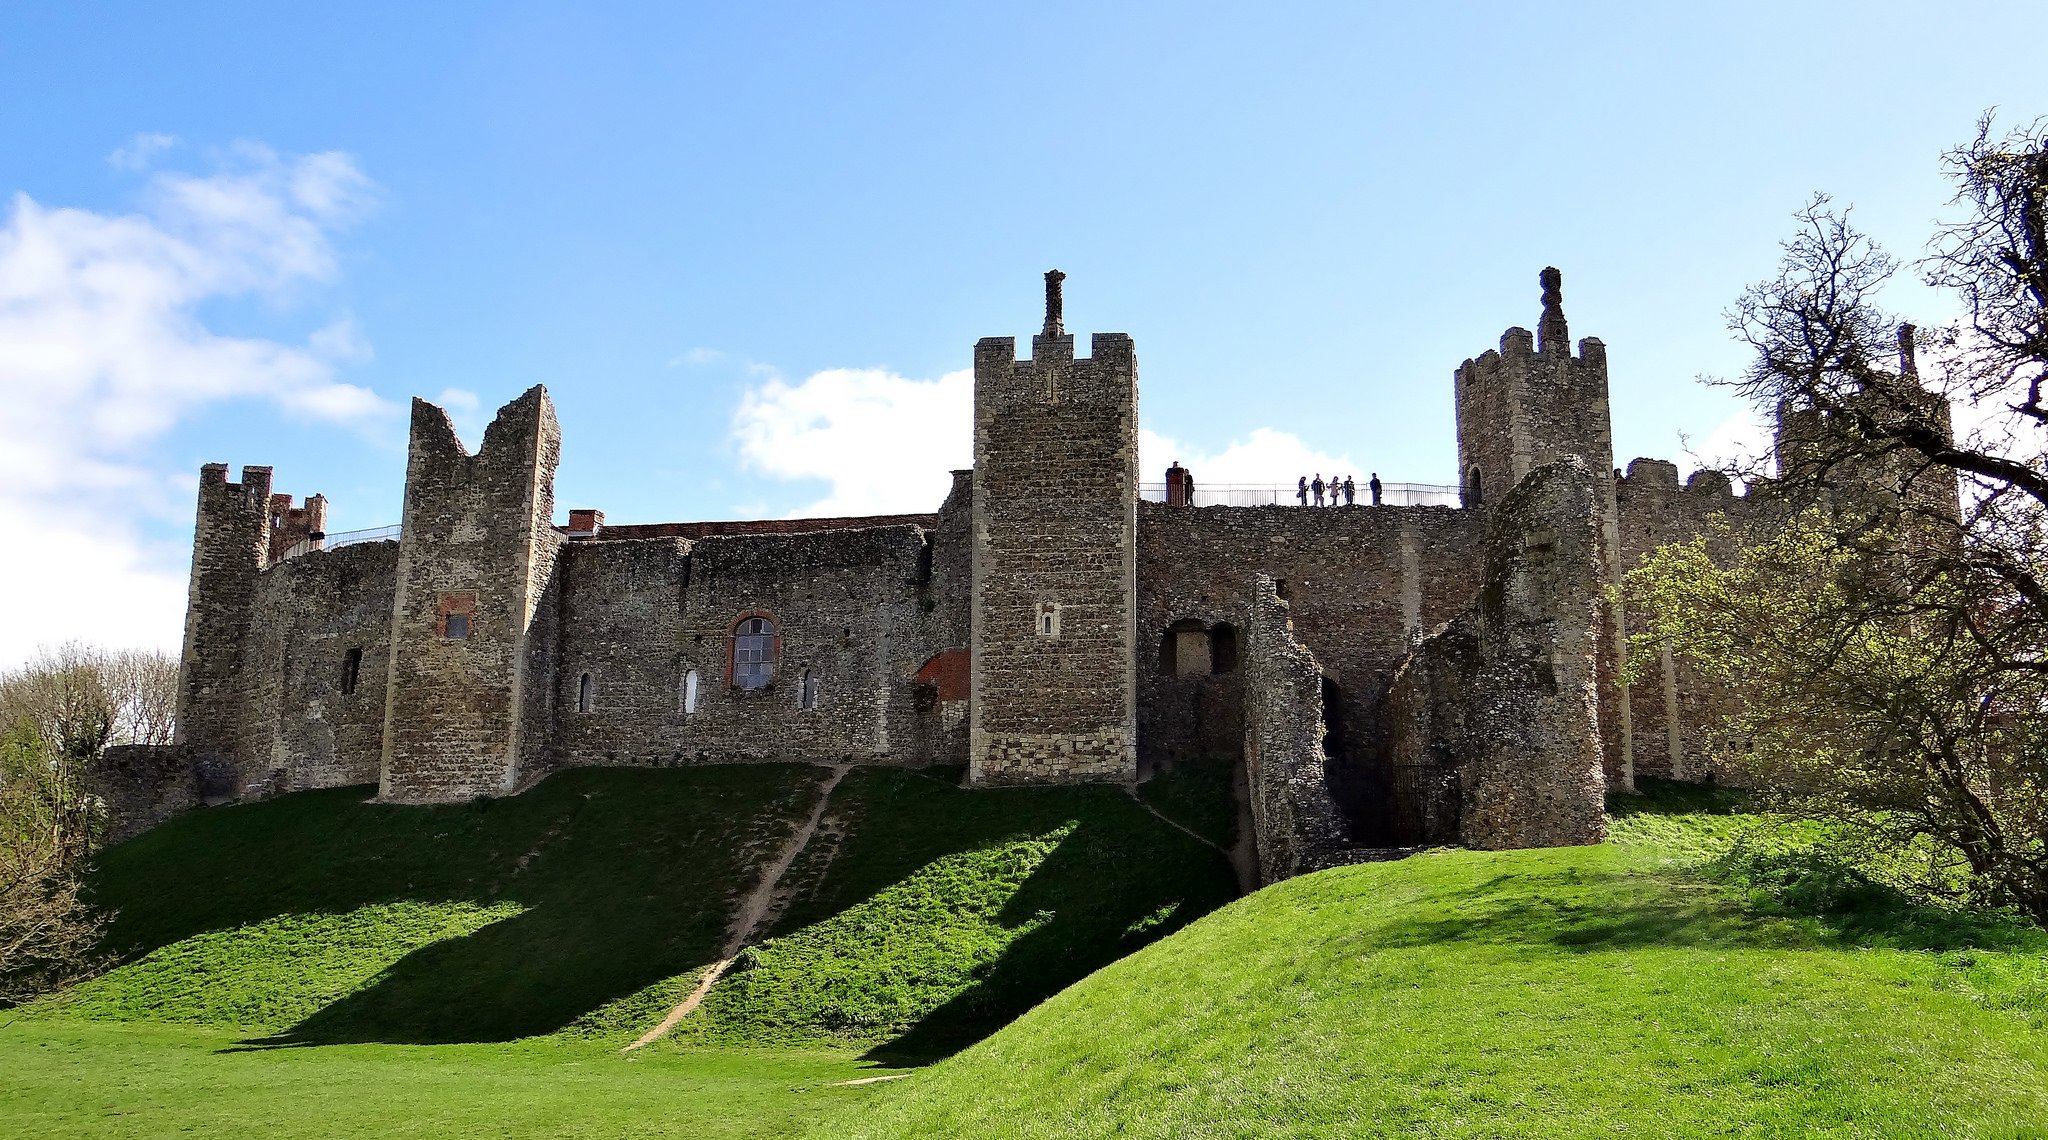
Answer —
1317 487
1374 487
1350 492
1301 491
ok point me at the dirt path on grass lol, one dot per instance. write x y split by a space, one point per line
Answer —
754 913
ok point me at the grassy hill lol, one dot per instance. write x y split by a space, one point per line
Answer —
318 966
1612 989
303 939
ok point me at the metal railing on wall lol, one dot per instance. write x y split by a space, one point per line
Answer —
340 539
1287 495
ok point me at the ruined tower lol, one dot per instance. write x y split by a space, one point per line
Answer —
466 710
230 547
1055 558
1526 406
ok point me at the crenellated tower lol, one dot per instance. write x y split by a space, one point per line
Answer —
466 710
1053 614
230 547
1526 406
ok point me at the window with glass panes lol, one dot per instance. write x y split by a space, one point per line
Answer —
753 653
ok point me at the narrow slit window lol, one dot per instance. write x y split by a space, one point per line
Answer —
810 689
1048 622
586 693
690 693
351 671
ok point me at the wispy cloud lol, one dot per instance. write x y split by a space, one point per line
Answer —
103 348
137 153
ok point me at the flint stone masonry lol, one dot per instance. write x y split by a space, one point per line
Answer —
851 607
1362 584
470 716
1508 694
1297 826
1055 498
1388 677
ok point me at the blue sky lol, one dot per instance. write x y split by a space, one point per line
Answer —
745 246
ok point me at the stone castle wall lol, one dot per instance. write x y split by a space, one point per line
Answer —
854 610
1390 676
302 727
1054 572
1508 694
1363 584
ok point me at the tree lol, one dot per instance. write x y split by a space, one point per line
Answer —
57 714
48 935
1887 642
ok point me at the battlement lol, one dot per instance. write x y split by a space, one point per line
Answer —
1660 476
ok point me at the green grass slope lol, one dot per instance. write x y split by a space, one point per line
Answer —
587 906
319 965
1609 989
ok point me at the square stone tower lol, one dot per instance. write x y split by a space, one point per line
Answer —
1054 629
1527 406
472 655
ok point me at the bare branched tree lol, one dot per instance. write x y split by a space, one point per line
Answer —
1889 650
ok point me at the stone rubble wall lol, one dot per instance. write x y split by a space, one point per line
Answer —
301 729
230 548
1297 825
1508 693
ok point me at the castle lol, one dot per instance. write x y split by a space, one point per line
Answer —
1386 676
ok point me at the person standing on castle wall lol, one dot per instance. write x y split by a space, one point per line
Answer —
1350 492
1374 487
1301 491
1317 487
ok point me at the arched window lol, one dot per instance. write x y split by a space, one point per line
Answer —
753 653
810 689
690 692
351 671
586 693
1473 493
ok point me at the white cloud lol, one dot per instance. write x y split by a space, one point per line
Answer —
1264 457
102 350
882 443
137 153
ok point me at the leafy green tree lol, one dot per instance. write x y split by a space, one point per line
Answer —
48 935
1885 640
1858 698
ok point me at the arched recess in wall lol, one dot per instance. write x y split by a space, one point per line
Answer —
1474 493
690 692
809 690
752 651
586 693
1223 648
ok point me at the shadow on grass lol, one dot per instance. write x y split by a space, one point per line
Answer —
944 913
626 878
